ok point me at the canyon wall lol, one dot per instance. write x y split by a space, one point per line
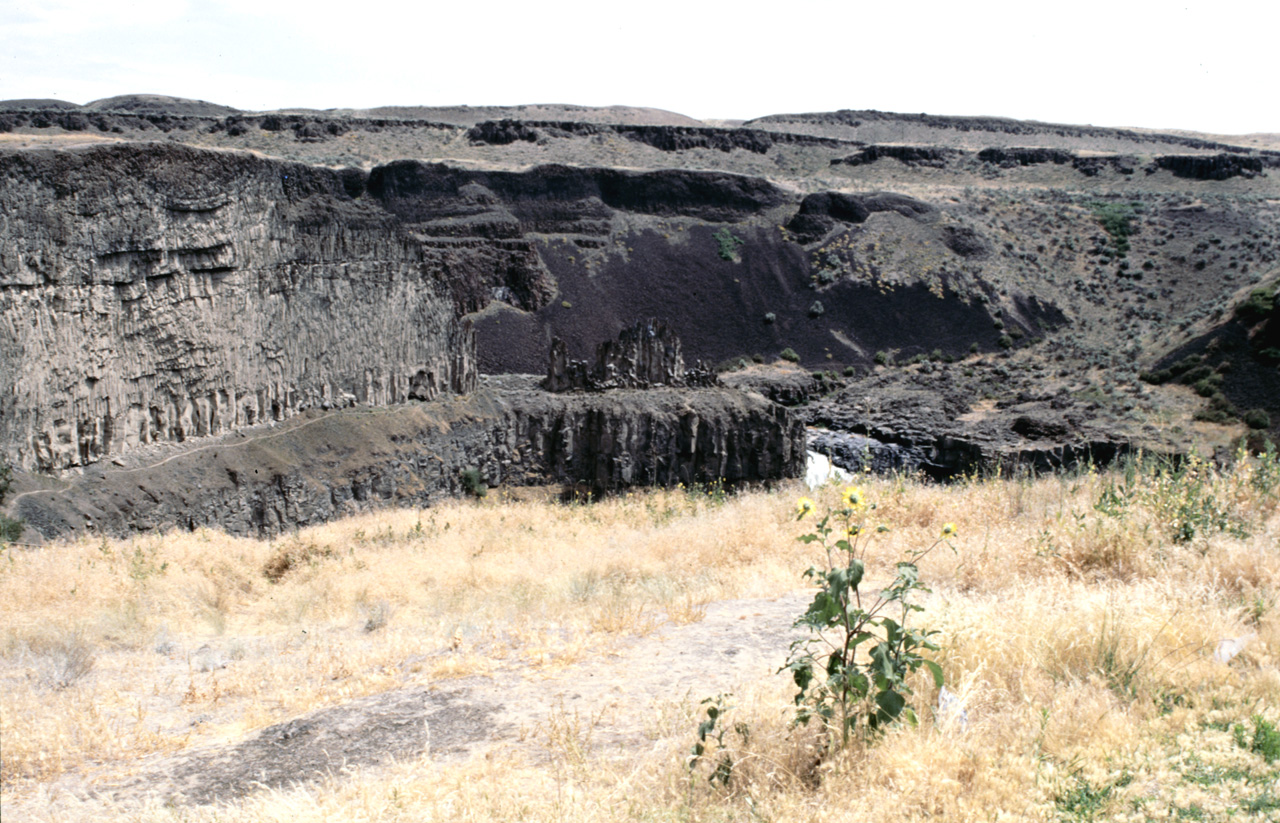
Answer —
153 293
157 293
268 479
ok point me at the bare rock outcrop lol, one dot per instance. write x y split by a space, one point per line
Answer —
154 293
319 466
157 293
645 355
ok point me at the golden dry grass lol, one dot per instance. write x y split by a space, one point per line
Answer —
1079 617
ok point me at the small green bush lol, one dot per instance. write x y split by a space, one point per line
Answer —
1005 341
1257 419
728 244
1209 386
1265 742
816 309
770 317
1116 220
881 358
1259 305
1195 375
790 355
848 371
1219 410
566 304
473 482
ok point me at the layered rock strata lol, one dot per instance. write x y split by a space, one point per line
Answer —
159 293
154 293
322 465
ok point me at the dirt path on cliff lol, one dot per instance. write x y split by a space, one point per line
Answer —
737 643
243 437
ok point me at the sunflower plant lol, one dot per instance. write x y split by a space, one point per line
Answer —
852 669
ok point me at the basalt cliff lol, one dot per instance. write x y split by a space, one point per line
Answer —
161 293
954 292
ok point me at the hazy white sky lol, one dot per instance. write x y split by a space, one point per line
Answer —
1207 66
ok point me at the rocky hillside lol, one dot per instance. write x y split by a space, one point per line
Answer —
972 287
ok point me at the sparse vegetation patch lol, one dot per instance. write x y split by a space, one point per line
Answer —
727 244
1116 220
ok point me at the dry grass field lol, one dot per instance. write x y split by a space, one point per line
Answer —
1081 624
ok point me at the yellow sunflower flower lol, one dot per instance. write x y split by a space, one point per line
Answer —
853 497
804 506
948 529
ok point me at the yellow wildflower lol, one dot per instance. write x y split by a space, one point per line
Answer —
853 497
948 529
804 505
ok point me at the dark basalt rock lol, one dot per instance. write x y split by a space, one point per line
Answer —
966 242
787 388
417 191
323 467
857 453
997 125
1214 167
1025 156
1094 165
643 356
929 156
819 213
502 132
1040 428
170 293
663 138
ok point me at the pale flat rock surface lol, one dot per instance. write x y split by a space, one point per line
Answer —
738 642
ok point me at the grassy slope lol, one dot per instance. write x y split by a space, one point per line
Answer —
1078 620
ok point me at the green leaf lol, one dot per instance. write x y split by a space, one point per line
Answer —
891 704
822 612
856 570
835 664
936 670
859 638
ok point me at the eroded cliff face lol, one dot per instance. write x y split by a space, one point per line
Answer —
154 293
157 293
267 479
